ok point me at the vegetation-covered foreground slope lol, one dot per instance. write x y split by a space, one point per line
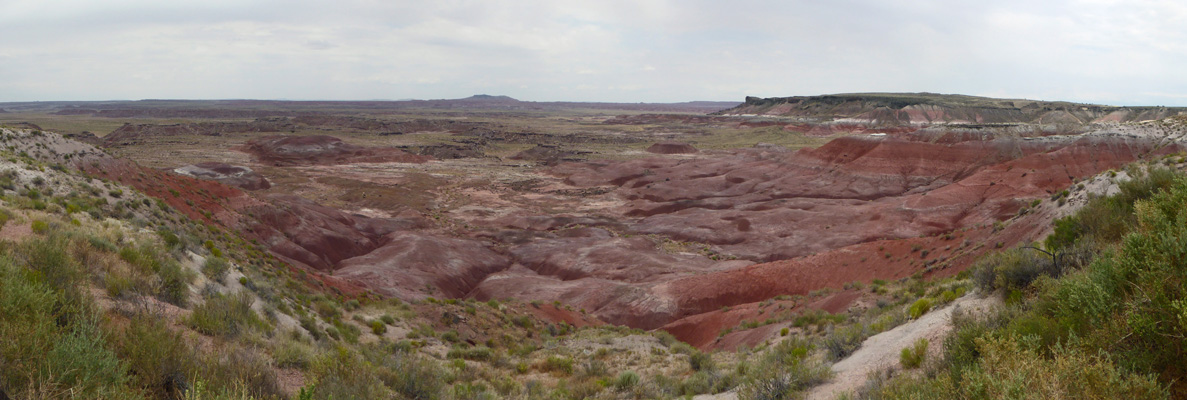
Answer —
1098 313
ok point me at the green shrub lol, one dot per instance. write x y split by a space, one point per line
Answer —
327 308
378 327
119 284
919 307
289 353
1012 269
558 364
160 362
407 374
174 283
700 382
225 315
784 371
626 380
39 227
700 361
216 268
912 357
169 238
342 374
479 353
841 342
1010 370
350 332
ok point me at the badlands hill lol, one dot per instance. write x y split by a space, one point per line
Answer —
931 108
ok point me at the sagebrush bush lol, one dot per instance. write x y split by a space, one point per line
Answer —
626 380
919 307
378 327
289 353
342 374
235 370
478 353
39 227
407 374
700 361
225 315
160 361
216 268
174 283
558 364
1012 269
912 357
784 371
843 341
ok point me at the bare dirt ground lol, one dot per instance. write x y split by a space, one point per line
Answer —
881 351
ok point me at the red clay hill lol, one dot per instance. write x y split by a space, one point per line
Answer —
753 224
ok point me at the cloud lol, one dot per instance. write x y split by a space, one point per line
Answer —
613 50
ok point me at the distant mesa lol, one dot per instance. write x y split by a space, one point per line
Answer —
283 150
671 148
487 97
233 175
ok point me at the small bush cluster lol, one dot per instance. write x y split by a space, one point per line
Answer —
919 307
225 315
784 371
216 268
912 357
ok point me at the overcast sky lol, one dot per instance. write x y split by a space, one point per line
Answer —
1099 51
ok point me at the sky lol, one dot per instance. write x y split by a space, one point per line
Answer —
1093 51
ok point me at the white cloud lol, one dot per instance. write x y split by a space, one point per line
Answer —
614 50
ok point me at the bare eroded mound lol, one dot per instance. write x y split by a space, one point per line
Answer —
671 148
232 175
283 150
